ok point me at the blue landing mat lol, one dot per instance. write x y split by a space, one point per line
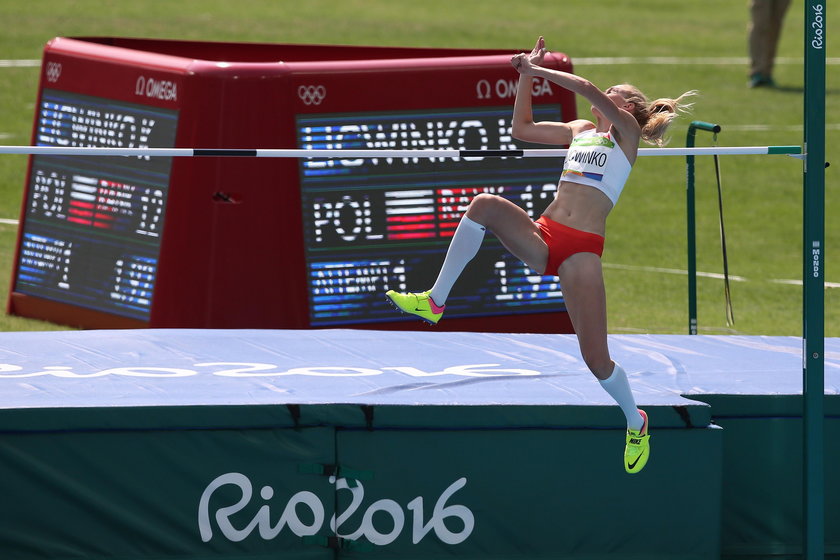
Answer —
200 368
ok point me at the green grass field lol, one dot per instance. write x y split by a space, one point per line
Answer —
763 194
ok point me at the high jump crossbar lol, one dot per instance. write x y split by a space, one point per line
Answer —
378 153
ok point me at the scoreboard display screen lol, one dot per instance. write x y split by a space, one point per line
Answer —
230 241
377 224
92 229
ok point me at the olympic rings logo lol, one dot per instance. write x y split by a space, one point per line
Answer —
53 71
312 95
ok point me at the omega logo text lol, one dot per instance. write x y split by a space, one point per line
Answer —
156 89
505 89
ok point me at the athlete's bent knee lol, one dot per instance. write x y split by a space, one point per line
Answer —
482 207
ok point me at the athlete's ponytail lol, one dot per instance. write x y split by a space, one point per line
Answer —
653 117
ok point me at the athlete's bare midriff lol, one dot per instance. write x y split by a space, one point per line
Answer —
581 207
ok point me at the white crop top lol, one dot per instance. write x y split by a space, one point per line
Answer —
596 160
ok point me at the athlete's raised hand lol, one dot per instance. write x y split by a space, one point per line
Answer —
525 62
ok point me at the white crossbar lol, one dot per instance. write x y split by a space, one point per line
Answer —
370 154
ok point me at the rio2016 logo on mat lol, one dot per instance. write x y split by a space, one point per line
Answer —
420 527
248 369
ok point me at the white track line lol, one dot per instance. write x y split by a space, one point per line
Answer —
671 271
682 60
770 127
715 275
592 61
799 283
20 63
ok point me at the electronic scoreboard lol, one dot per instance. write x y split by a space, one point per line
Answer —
93 225
224 242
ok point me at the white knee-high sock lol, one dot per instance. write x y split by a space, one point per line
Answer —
463 247
619 388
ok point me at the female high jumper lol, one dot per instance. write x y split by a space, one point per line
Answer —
568 239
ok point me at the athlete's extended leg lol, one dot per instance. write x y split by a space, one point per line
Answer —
586 302
430 305
463 247
582 280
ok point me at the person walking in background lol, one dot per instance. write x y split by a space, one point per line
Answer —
568 239
765 28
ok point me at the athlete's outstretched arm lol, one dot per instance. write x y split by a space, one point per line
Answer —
529 65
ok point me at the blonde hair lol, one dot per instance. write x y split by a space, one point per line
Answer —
653 116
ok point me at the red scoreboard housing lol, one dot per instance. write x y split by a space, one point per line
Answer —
238 242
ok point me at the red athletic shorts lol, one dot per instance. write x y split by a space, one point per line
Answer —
563 242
